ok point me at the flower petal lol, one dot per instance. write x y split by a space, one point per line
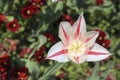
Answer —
65 32
57 53
90 38
77 58
97 53
80 27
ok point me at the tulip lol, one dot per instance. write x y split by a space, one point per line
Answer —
77 44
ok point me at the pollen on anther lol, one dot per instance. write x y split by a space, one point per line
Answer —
28 12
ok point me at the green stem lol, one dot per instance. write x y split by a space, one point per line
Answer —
95 71
51 71
10 3
33 52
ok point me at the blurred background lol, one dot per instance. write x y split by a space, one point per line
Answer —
28 28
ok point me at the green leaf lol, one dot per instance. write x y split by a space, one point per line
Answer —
44 27
51 71
95 72
10 18
1 3
30 78
42 40
71 3
59 6
33 68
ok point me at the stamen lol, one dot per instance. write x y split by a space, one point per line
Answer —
28 12
76 47
14 25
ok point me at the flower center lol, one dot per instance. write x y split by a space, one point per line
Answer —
14 25
28 12
76 47
33 3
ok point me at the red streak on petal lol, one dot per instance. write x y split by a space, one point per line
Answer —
58 53
78 29
88 39
65 34
76 58
97 53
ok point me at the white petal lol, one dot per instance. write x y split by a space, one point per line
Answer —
54 49
100 53
65 32
90 38
80 26
77 58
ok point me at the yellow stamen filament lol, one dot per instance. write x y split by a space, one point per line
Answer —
76 47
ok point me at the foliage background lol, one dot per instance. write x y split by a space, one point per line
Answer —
31 34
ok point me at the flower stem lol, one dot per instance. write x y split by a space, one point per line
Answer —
51 71
95 71
33 52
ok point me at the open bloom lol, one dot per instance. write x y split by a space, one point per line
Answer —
12 44
76 44
66 17
50 37
18 73
2 19
102 40
13 25
27 12
39 55
25 51
4 66
99 2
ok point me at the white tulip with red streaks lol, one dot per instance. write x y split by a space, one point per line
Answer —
76 44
